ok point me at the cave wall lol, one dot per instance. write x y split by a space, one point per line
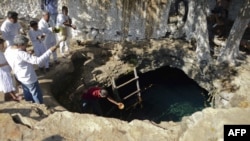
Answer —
109 19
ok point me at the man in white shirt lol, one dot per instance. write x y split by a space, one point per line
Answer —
50 38
37 36
21 63
10 28
64 23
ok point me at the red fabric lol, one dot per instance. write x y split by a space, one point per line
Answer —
92 93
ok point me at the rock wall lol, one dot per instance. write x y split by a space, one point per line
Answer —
110 19
105 19
208 124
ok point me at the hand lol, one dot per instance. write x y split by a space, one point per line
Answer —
120 105
30 51
73 26
38 37
53 49
43 36
55 30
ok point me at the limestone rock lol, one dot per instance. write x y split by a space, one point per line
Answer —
208 124
10 130
90 127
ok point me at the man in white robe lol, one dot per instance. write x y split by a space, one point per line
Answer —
50 38
10 28
64 23
37 36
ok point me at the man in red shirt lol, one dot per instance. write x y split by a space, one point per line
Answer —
89 100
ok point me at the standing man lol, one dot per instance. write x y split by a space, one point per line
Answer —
10 27
37 36
21 63
51 7
50 38
64 23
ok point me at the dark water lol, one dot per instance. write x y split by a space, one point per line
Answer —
167 95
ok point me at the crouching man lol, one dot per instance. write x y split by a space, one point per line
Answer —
90 98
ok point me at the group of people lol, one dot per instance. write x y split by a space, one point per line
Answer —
17 60
14 58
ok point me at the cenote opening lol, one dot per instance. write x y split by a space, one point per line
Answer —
167 95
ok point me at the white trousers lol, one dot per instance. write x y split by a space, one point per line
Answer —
64 46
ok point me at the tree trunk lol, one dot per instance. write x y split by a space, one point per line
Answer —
230 51
201 32
189 27
196 28
157 14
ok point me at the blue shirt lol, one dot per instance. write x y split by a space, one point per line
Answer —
51 6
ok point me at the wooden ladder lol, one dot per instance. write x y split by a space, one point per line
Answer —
138 91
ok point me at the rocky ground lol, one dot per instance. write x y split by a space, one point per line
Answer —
51 121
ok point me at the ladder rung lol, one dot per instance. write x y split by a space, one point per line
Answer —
117 87
137 91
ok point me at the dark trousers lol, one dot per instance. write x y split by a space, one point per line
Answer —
91 106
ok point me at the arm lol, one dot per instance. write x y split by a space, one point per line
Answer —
62 20
20 29
70 25
25 56
112 100
5 31
44 28
119 104
32 37
4 64
37 60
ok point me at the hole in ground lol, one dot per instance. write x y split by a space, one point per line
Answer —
168 94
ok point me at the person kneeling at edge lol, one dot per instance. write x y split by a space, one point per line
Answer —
90 98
